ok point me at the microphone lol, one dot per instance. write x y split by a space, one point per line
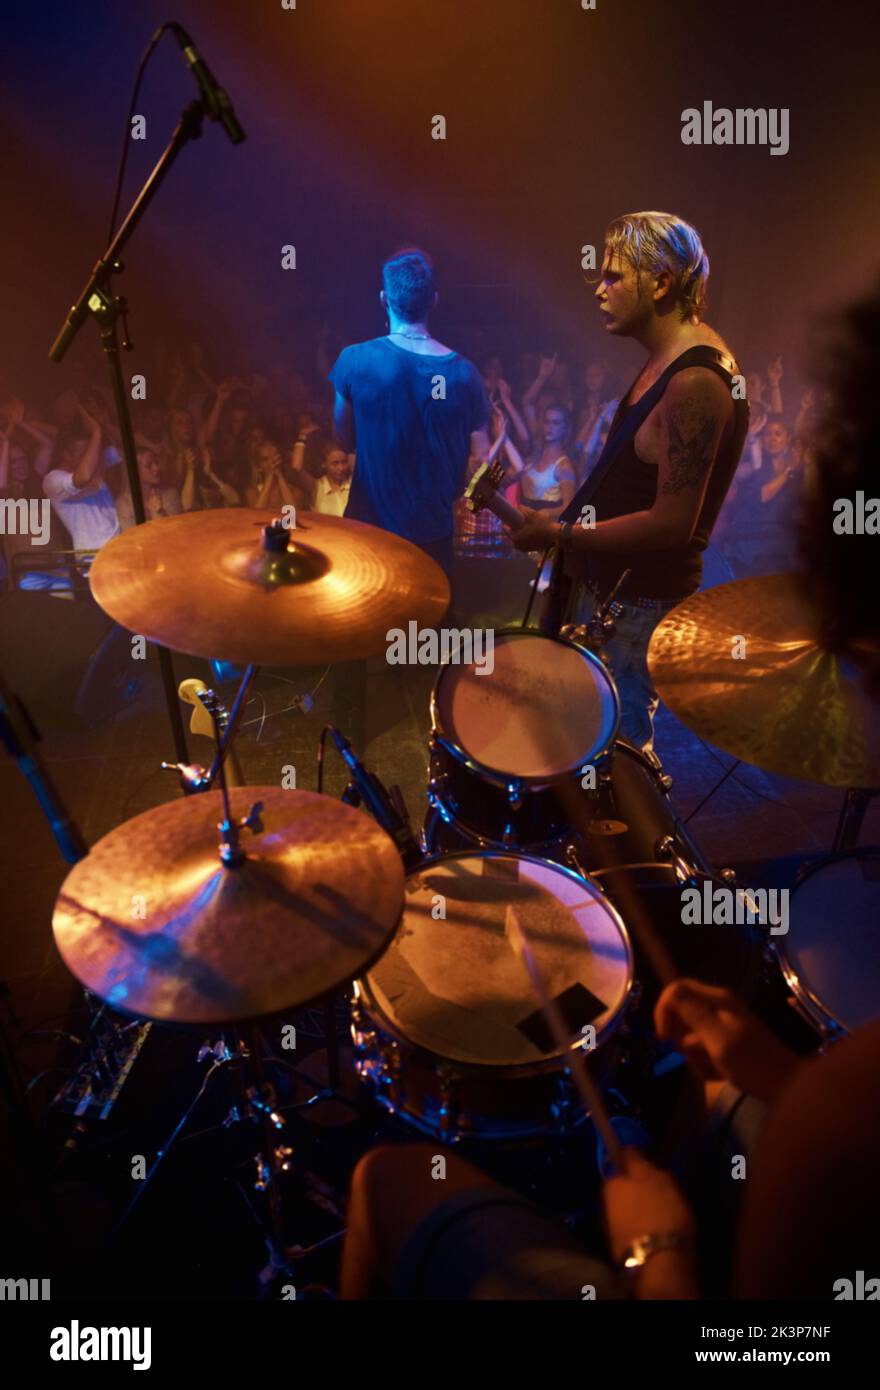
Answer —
217 103
19 736
382 806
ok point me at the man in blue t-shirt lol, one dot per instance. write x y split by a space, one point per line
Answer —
413 411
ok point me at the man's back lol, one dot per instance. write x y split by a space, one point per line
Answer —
414 414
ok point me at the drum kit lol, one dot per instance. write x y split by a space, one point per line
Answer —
492 974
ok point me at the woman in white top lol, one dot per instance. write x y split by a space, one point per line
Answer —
548 482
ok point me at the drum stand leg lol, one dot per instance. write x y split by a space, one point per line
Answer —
332 1043
270 1164
852 815
326 1079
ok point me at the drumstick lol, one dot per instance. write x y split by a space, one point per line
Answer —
632 910
589 1091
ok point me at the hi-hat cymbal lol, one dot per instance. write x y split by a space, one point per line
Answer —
740 665
156 926
202 583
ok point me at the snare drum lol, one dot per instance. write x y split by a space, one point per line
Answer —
831 956
502 742
447 1030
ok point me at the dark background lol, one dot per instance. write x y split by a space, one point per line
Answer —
558 119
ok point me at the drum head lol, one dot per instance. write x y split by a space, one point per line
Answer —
457 987
547 708
831 954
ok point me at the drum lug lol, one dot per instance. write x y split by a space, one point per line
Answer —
665 781
571 858
667 848
446 805
391 1057
515 795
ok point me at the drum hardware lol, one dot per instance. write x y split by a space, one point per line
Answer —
602 625
852 814
667 850
109 1052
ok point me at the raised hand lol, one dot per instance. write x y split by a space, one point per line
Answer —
757 422
774 372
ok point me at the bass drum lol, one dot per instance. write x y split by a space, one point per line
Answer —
830 956
447 1031
504 741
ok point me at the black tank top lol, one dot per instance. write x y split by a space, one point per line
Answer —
630 485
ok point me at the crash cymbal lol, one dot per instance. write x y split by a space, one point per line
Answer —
784 704
152 922
203 584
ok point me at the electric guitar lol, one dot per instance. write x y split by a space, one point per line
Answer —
482 491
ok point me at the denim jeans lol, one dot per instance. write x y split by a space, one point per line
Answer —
627 654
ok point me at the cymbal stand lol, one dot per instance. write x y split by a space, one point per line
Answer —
852 814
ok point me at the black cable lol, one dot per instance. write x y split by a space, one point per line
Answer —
321 744
534 586
743 786
120 177
708 797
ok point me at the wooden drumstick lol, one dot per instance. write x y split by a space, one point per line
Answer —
589 1091
631 909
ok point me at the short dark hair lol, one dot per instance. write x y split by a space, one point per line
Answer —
409 283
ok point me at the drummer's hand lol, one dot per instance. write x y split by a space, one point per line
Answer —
642 1200
722 1040
538 532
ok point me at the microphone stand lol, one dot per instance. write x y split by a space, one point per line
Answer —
99 299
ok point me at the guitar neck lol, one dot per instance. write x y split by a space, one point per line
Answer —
504 510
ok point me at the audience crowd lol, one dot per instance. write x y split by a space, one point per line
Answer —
207 440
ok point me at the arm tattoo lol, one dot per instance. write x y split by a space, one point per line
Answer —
692 433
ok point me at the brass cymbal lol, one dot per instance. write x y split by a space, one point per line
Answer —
156 926
785 704
201 583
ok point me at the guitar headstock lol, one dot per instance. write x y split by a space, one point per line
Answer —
206 706
483 485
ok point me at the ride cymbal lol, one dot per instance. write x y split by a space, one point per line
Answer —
154 924
204 583
740 665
